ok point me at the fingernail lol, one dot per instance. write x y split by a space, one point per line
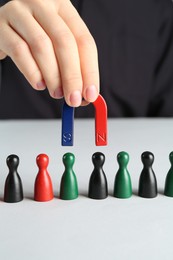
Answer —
58 93
91 93
41 85
76 98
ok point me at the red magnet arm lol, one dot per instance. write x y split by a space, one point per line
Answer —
100 121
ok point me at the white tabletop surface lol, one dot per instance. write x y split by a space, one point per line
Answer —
86 229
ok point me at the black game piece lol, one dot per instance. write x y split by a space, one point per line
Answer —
98 183
13 191
147 180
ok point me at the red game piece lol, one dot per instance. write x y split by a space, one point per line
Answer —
43 190
100 121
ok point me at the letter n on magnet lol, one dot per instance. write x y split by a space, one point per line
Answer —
100 121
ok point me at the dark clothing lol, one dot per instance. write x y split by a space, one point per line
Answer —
135 44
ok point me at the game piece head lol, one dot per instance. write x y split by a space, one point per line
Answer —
68 159
42 160
171 158
12 161
147 159
123 158
98 159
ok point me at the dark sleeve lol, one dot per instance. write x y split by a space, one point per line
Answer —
75 3
0 77
162 92
2 2
135 46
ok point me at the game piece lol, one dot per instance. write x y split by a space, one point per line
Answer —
67 125
68 186
168 191
43 189
100 121
147 180
13 190
122 184
98 183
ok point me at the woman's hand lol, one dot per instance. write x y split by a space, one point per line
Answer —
52 47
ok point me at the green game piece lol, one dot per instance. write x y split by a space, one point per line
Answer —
122 184
69 186
169 179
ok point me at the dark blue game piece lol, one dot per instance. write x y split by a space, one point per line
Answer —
67 125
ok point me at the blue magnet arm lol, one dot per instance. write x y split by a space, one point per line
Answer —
67 125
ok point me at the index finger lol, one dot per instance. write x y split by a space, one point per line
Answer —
87 50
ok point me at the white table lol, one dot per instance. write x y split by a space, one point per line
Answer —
86 229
